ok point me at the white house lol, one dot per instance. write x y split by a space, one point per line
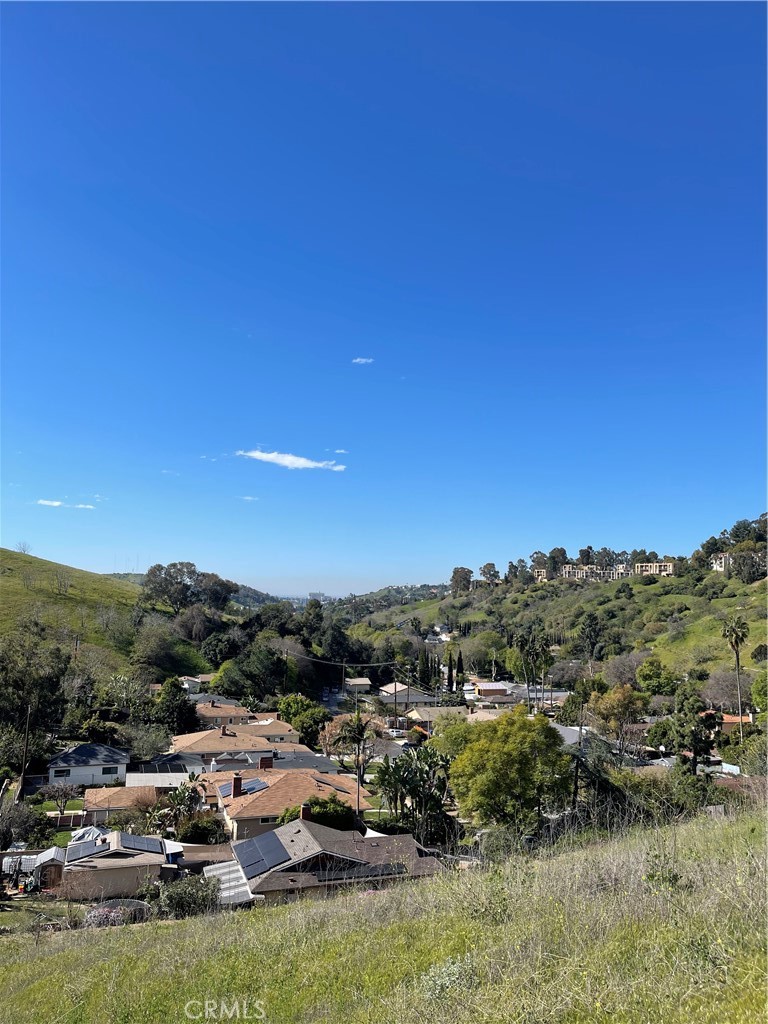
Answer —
88 764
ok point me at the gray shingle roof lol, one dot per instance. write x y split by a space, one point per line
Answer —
87 754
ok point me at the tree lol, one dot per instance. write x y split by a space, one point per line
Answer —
309 723
735 631
293 705
460 674
489 572
511 771
653 678
590 633
20 822
330 811
461 578
556 559
174 584
663 734
586 555
760 654
615 711
694 725
174 710
450 682
356 733
23 547
60 793
451 734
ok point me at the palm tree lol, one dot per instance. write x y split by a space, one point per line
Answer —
355 733
736 631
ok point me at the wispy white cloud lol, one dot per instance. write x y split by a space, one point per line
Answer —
247 497
292 461
340 451
361 361
169 472
60 504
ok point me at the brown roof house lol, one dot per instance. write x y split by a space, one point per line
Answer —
213 743
304 857
255 737
100 803
222 712
252 804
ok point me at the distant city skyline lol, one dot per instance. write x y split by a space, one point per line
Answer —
333 297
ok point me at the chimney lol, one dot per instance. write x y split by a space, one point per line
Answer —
213 703
304 813
237 785
223 730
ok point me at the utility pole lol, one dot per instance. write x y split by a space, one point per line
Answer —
24 756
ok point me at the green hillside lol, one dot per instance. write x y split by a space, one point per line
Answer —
663 926
680 619
72 597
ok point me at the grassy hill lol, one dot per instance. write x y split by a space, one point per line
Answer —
28 584
661 926
681 620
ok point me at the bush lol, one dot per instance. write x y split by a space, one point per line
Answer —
202 830
329 811
188 897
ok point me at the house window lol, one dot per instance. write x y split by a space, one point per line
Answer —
111 770
268 821
217 721
61 773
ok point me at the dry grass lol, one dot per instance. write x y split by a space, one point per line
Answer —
666 926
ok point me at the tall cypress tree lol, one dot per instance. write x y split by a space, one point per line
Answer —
459 668
450 683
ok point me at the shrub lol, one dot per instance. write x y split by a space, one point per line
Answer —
188 897
201 830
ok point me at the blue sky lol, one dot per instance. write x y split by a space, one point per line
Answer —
505 264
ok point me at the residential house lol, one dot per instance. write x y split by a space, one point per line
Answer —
115 865
425 718
252 801
88 764
210 744
216 712
361 684
99 804
539 575
304 857
488 690
271 729
401 694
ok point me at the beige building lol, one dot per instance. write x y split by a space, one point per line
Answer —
654 568
115 865
215 713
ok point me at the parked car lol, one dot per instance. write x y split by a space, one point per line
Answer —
396 733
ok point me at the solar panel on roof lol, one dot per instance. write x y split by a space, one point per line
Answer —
261 853
143 844
80 850
250 786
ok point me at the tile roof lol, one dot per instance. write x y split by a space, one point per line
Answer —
286 789
211 740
